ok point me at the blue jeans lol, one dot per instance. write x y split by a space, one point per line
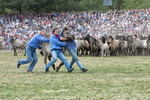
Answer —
31 57
60 55
73 53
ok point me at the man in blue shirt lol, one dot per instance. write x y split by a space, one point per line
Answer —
56 50
31 47
72 48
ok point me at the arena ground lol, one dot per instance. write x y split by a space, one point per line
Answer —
108 78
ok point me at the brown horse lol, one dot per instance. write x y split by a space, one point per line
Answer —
17 44
114 45
93 44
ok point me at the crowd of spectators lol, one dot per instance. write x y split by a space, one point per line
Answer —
97 23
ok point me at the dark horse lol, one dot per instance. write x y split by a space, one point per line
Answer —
45 51
93 44
17 44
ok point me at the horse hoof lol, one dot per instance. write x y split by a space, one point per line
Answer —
57 69
53 68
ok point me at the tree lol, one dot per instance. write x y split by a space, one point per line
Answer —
118 4
38 6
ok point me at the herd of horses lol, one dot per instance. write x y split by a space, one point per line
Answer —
116 45
104 46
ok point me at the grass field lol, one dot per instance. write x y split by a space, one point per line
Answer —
108 78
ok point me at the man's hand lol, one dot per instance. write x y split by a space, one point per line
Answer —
63 39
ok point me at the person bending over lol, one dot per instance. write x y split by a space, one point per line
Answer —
31 47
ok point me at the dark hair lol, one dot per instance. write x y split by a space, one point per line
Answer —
54 30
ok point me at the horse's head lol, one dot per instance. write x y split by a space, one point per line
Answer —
103 39
68 35
110 40
86 36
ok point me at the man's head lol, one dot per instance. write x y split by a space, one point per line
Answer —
55 31
43 32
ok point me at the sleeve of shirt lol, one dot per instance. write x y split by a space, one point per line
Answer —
57 42
39 47
42 39
60 36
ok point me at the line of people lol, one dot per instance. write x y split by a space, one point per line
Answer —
57 42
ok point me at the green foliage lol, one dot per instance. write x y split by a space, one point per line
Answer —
118 4
136 4
41 6
92 4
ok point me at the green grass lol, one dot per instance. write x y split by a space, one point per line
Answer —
108 78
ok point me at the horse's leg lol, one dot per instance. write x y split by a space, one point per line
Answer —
90 52
87 51
15 53
58 67
102 52
53 66
25 52
49 58
45 58
80 51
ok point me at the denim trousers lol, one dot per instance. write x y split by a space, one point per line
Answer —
31 57
73 53
55 55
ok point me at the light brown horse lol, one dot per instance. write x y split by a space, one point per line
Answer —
114 45
82 46
17 44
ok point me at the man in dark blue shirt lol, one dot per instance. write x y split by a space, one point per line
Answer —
31 47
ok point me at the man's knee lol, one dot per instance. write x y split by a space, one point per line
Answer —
35 60
54 59
76 59
29 60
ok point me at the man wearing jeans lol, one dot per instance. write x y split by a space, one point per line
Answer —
72 48
56 50
31 47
